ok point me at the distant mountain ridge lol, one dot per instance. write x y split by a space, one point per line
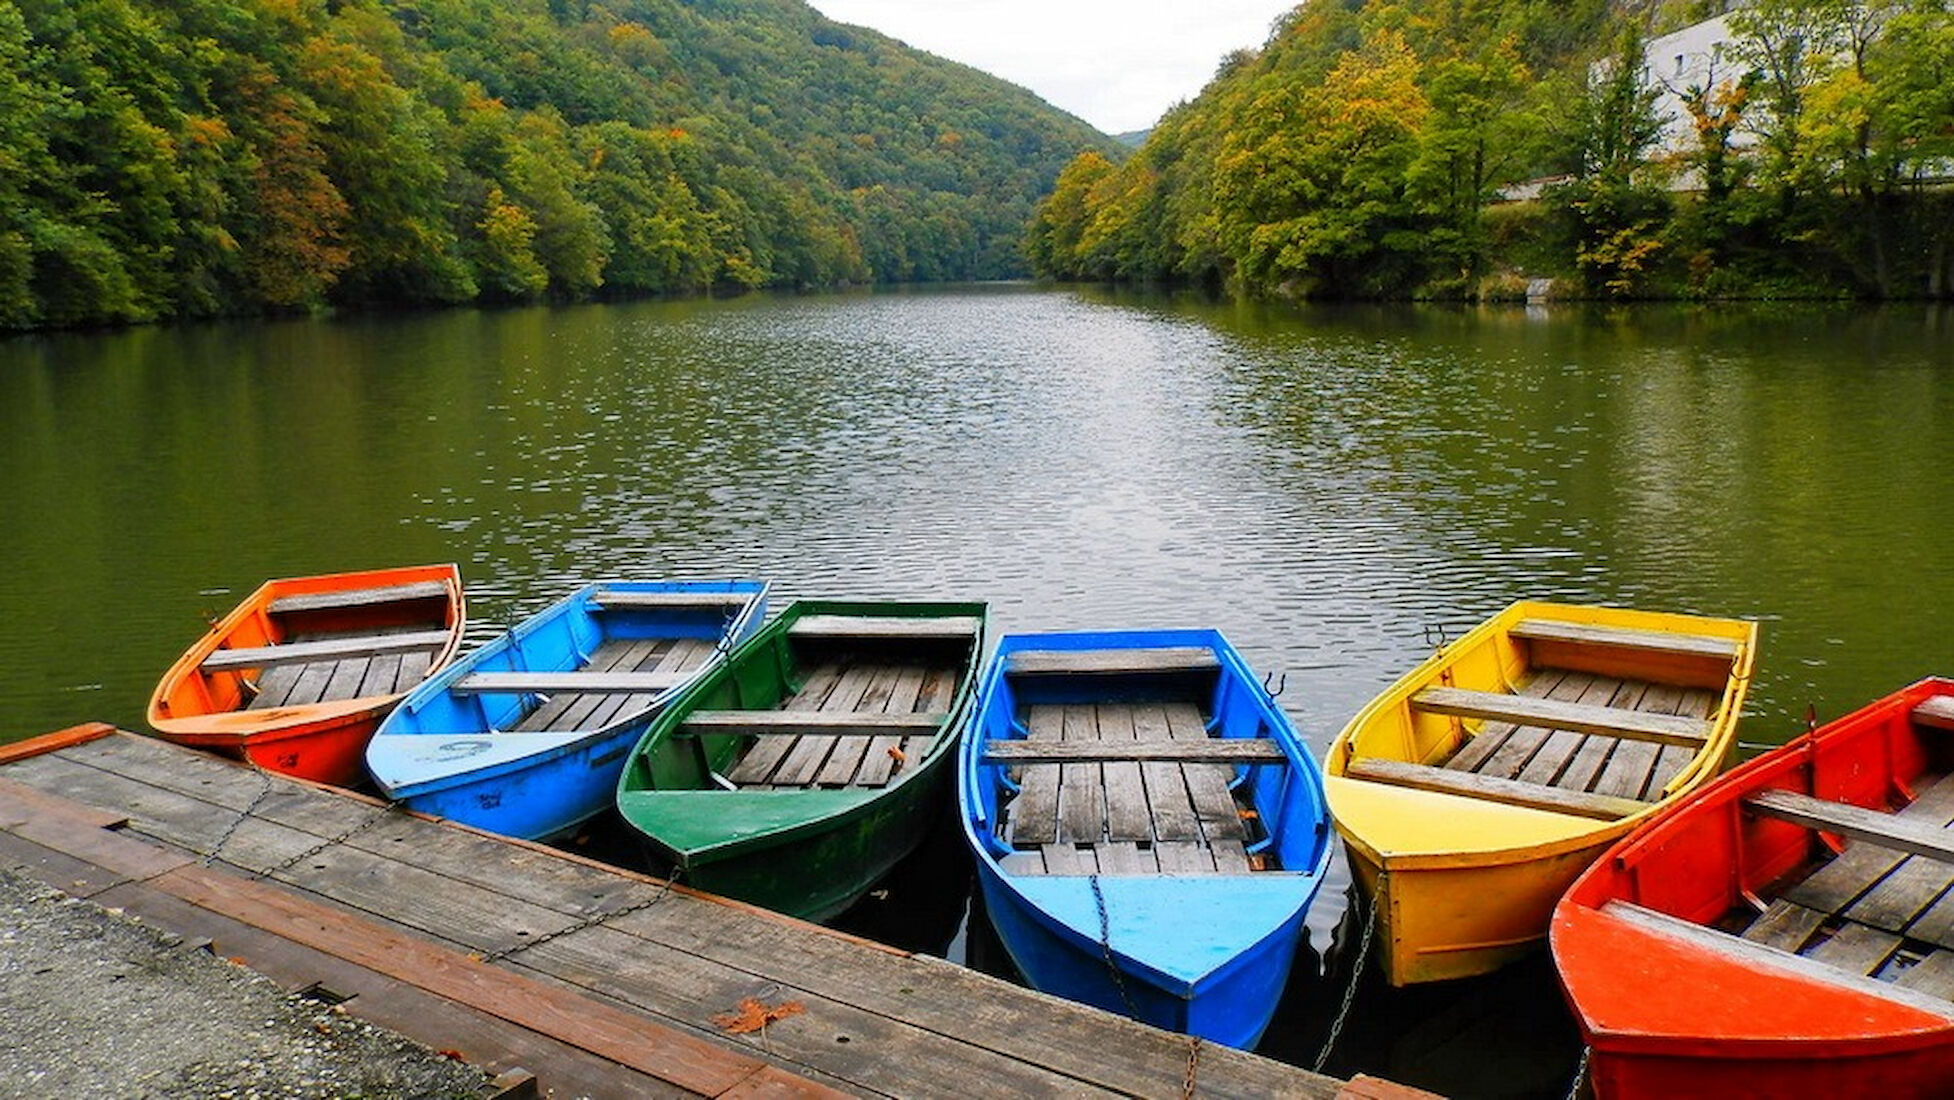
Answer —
165 158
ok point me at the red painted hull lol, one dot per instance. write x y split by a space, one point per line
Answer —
1666 1017
325 741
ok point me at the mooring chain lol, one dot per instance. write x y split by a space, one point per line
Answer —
264 791
1356 977
1193 1059
1106 948
590 921
371 820
1580 1073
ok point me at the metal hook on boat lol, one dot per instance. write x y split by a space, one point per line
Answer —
1280 684
1435 635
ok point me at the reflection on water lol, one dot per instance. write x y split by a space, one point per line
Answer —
1326 486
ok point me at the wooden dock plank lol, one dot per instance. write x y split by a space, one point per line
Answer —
1081 787
1171 808
1128 817
929 1025
757 765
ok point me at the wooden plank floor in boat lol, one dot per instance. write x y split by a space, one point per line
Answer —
331 681
1123 817
840 687
1586 762
1875 911
571 711
600 982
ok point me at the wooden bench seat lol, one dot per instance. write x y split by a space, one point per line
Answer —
584 682
672 601
326 649
358 597
797 723
1872 826
888 626
1513 792
1812 967
1659 641
1936 713
1553 714
1230 750
1072 662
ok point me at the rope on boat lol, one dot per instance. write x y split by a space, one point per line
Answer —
1356 976
590 921
264 791
1106 948
1580 1074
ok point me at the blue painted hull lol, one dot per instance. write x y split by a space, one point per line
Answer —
1205 954
457 755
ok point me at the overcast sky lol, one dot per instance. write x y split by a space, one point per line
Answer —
1118 64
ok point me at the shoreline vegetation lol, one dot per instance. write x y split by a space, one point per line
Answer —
1362 154
172 159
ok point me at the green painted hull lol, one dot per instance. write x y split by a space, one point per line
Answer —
806 852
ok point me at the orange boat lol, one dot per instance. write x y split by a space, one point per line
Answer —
299 675
1786 931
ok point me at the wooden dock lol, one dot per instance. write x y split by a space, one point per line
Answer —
598 981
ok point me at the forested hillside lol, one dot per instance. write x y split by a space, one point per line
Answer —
165 158
1363 150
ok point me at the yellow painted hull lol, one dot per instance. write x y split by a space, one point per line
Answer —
1462 885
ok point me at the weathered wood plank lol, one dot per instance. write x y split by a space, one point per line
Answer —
667 601
893 626
549 683
275 687
1933 975
1492 736
845 758
803 761
1756 954
1492 788
1034 812
1836 885
1903 895
1183 857
1591 759
1871 826
757 765
1127 815
1168 802
1024 861
1784 925
1215 750
1556 715
789 723
1081 787
1857 948
1231 857
1557 752
1080 662
382 675
1062 858
1936 713
880 761
325 649
1207 784
588 710
347 676
1670 762
1124 857
1659 641
358 597
1520 745
1626 774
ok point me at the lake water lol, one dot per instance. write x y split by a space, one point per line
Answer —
1331 487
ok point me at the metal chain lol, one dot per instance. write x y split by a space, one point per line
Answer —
264 791
1356 977
371 820
1193 1058
1106 948
588 922
1580 1074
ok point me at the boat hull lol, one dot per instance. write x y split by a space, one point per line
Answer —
322 741
1706 1014
1206 954
1462 884
465 757
805 851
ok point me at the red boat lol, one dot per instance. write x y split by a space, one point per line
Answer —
1786 931
299 675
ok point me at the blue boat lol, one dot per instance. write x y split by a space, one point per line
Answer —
1149 829
526 735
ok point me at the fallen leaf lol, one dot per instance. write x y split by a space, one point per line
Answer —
754 1014
451 1055
898 755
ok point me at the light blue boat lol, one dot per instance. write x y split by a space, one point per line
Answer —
526 736
1149 829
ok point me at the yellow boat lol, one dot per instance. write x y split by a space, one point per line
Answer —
1474 790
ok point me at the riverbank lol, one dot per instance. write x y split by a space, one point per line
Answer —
98 1004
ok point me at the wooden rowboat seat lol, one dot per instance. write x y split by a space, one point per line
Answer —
325 649
349 598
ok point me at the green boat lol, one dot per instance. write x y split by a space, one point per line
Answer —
799 771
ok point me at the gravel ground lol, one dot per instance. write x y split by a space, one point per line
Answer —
96 1004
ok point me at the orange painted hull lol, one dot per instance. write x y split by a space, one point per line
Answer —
1668 1017
318 741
